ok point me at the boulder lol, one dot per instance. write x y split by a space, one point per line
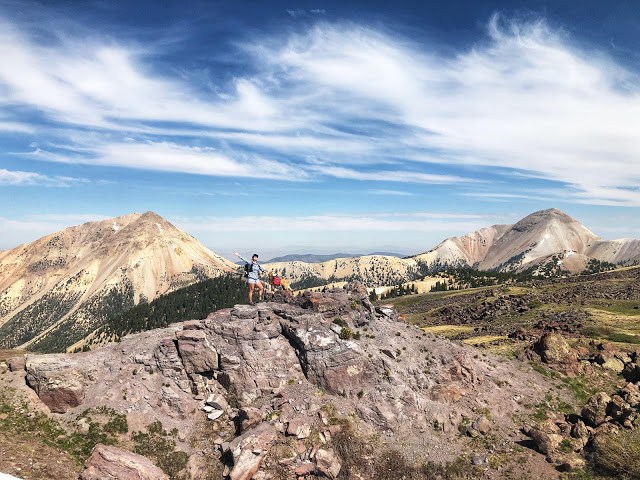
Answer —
580 433
482 425
595 410
619 409
553 348
108 463
304 468
250 449
545 442
631 394
169 363
300 427
56 381
610 362
198 356
248 417
215 414
327 463
463 369
217 401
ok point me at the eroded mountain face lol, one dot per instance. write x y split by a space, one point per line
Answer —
531 241
56 290
544 237
297 371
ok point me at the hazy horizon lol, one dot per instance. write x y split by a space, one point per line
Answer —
343 126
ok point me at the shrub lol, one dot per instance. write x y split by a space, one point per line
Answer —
341 322
618 453
159 446
117 424
346 333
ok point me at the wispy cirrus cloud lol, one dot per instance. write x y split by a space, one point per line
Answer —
368 104
22 179
171 157
371 222
389 175
528 98
398 193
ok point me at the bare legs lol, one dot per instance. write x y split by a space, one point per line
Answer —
260 291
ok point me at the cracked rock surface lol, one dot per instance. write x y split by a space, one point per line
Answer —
286 369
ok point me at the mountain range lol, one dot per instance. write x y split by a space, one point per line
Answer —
540 240
532 241
58 289
315 258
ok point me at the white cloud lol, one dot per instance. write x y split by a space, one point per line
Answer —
398 193
371 222
389 176
92 82
15 127
526 98
170 157
22 179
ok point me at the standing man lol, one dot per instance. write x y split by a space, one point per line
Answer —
253 279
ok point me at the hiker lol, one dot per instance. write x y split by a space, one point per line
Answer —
253 278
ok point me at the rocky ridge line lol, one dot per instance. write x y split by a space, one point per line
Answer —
295 370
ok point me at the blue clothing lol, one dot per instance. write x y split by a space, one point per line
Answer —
254 273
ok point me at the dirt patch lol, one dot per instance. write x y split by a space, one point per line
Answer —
27 457
6 354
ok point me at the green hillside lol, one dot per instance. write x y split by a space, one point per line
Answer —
193 302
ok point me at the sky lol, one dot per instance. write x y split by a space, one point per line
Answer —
318 127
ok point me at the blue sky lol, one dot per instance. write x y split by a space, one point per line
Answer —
319 126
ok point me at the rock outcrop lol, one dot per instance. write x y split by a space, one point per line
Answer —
292 372
56 380
109 463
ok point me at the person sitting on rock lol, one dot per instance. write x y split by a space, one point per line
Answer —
253 279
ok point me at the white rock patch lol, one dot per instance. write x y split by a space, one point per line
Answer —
6 476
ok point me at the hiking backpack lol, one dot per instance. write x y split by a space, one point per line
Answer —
247 269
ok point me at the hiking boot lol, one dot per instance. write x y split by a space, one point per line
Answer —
251 303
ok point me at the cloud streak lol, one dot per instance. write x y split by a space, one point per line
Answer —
343 100
371 222
19 178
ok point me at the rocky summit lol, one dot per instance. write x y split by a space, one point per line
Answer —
322 385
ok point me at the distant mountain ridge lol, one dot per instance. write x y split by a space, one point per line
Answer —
57 289
532 241
542 241
319 258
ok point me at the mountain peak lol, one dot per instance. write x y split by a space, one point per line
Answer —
543 217
151 216
86 273
148 224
